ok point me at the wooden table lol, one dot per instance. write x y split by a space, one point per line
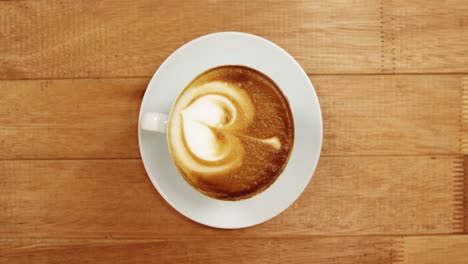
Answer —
391 185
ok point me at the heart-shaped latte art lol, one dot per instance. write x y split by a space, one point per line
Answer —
212 124
205 127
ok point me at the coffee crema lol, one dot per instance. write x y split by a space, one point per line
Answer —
231 132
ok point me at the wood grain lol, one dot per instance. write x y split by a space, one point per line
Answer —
391 186
70 119
311 250
436 249
390 115
115 198
43 39
464 115
363 115
131 38
368 249
425 36
461 200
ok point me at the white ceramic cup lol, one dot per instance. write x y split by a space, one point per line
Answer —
156 122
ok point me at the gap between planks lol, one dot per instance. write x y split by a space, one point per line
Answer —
311 75
322 155
111 238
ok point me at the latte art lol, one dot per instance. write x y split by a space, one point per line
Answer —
212 125
218 128
212 117
203 125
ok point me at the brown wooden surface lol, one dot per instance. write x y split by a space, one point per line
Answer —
435 249
391 186
131 38
321 250
330 250
347 195
363 115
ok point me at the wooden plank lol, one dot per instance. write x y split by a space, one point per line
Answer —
447 249
131 38
43 39
114 198
363 115
125 38
391 115
310 250
70 119
436 249
425 36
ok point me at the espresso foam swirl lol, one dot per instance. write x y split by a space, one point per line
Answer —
231 132
212 117
204 124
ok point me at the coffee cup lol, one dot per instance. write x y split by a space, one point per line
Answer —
206 64
230 132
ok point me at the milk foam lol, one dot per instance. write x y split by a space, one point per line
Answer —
203 122
209 125
211 119
230 132
204 126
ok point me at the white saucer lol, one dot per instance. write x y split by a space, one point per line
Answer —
232 48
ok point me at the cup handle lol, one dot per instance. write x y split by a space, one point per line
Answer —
154 122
